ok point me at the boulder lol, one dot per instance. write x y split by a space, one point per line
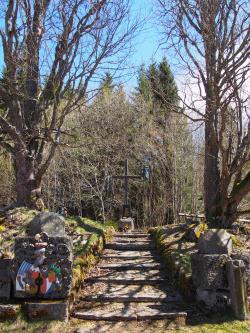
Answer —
215 241
52 224
209 271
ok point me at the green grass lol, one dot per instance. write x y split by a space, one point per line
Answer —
218 323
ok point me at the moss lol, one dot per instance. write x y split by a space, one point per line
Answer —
246 230
236 241
173 256
87 254
111 223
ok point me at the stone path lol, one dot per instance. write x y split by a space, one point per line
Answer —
129 284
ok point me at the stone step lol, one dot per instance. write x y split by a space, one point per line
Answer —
132 290
122 281
128 253
132 240
132 235
119 257
130 266
119 298
129 260
126 312
135 247
129 277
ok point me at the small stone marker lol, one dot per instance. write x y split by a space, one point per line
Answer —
215 241
5 279
9 311
238 289
126 224
51 223
48 311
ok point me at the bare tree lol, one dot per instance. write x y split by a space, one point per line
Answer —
212 40
52 50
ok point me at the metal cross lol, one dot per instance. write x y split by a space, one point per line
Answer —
126 177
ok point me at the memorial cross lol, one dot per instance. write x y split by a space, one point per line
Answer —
126 177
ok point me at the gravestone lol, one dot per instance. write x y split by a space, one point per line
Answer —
42 267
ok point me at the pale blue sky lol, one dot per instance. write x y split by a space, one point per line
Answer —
146 49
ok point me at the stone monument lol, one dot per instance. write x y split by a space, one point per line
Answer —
209 271
42 267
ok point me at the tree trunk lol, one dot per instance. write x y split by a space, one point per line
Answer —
211 177
28 187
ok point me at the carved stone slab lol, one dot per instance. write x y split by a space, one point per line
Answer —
43 272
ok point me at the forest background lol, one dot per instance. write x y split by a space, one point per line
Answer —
68 126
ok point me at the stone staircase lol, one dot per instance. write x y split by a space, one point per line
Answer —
129 284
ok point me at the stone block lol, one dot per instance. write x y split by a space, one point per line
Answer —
212 298
126 224
52 224
215 241
5 279
9 311
209 271
238 289
245 256
47 311
50 277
